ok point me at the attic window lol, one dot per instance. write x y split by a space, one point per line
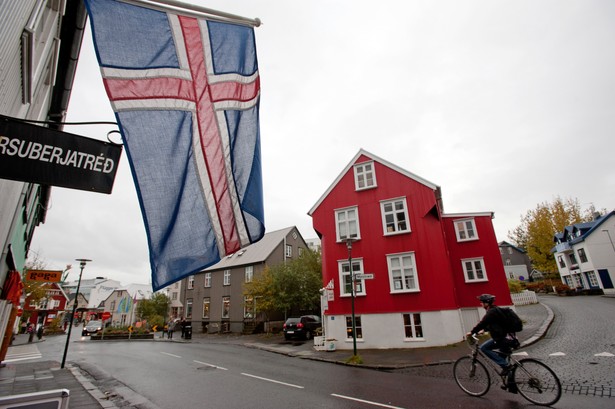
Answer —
364 175
466 230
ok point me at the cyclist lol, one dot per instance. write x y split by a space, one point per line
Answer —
492 322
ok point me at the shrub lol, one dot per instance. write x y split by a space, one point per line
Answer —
515 286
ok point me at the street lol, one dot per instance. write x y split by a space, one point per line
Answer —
217 375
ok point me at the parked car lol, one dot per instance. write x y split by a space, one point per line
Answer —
302 327
91 327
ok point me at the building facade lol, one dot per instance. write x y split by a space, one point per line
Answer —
517 264
40 46
418 270
52 306
214 300
585 254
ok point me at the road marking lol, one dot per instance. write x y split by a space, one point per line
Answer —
520 353
382 405
557 354
174 356
211 365
604 354
272 380
22 357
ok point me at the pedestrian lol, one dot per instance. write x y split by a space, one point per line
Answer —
183 325
39 332
30 332
170 329
493 321
23 327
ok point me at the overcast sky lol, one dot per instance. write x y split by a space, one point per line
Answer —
503 104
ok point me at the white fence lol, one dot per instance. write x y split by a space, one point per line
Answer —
524 298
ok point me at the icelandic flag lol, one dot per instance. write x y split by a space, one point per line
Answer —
185 90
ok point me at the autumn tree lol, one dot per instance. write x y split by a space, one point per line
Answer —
155 309
538 227
288 287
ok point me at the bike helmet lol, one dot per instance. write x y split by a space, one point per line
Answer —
487 298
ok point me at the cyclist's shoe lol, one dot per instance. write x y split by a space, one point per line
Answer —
512 388
505 370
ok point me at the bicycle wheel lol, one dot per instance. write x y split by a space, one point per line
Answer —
537 382
471 376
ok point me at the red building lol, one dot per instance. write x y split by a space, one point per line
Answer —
419 269
48 308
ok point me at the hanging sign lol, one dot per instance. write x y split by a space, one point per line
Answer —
50 276
32 153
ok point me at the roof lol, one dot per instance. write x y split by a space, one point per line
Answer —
507 244
577 232
255 253
375 159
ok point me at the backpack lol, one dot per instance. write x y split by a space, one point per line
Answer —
510 320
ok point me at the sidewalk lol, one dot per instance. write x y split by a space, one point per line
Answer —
23 377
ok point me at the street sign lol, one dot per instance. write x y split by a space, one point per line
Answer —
363 276
50 276
106 315
155 328
130 329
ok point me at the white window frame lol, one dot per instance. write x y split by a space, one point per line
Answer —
467 272
226 312
416 329
347 223
591 277
248 306
462 231
358 326
190 282
249 274
227 277
207 280
405 264
206 302
391 229
364 176
344 277
189 308
289 250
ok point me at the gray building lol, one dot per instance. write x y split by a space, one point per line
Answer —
517 264
213 299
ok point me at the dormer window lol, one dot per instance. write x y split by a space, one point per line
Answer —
364 176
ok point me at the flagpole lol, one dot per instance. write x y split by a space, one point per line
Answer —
178 6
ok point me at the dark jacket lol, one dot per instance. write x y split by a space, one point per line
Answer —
492 322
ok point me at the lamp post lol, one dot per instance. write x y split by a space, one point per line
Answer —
610 239
352 291
82 262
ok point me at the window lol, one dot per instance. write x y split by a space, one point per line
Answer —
289 250
347 221
112 305
573 259
206 306
402 273
582 255
249 273
226 307
207 280
474 269
510 250
173 296
357 326
227 277
364 176
300 251
345 279
562 263
465 230
412 326
189 308
395 216
190 282
248 307
591 277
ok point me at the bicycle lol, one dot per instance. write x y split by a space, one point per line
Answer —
534 380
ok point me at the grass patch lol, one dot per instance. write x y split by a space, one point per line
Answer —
355 360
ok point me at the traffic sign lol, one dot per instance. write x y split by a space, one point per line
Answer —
106 315
130 329
155 328
363 276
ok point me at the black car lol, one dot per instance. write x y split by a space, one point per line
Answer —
302 327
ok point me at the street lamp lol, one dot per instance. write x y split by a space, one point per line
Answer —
610 239
82 262
352 295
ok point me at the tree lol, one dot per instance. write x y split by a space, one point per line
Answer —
289 287
155 309
538 227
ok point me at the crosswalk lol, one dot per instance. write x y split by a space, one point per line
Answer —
22 353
